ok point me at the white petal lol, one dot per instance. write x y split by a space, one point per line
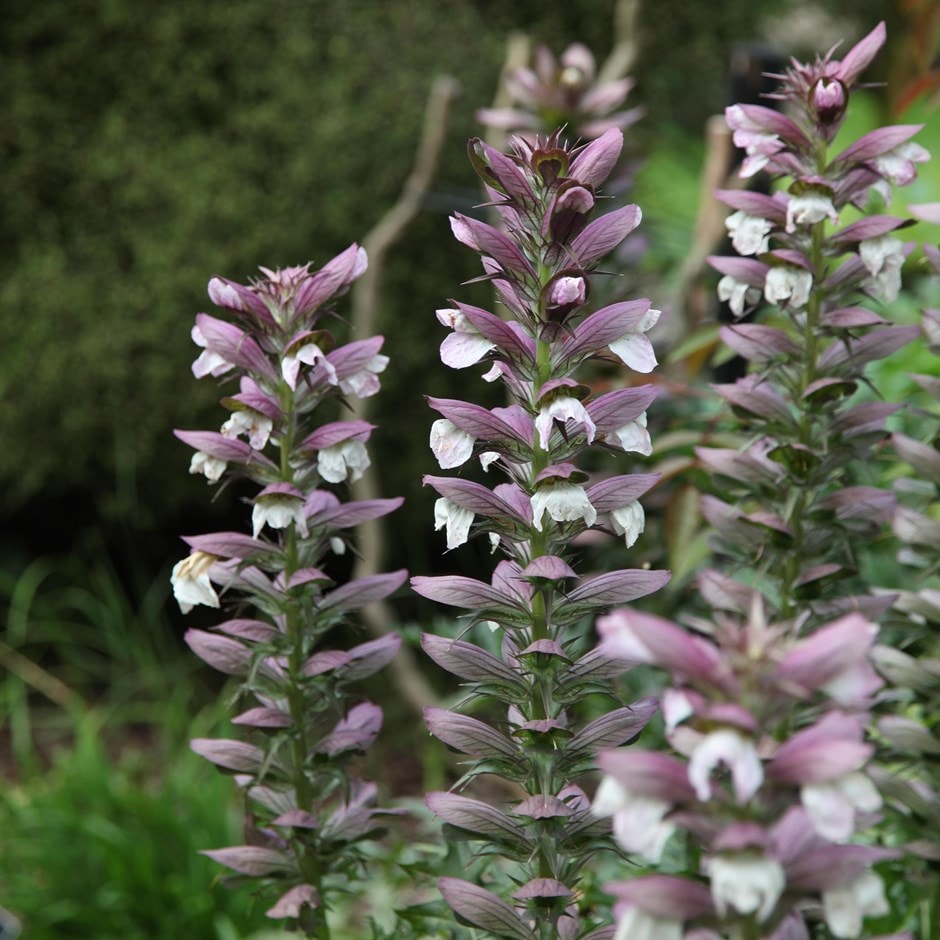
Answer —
455 518
728 747
460 350
191 584
746 882
629 521
451 446
636 351
564 502
845 908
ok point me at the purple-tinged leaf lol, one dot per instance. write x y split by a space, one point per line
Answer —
543 806
229 754
468 661
296 819
506 172
328 435
598 664
366 659
614 728
860 56
923 458
458 591
877 345
612 411
232 296
499 332
234 345
292 903
505 424
730 523
473 496
872 226
602 328
230 545
861 502
483 909
594 162
354 357
539 888
760 344
325 661
774 122
336 274
724 593
468 735
616 492
476 816
257 631
754 204
356 731
738 466
746 270
306 576
364 591
818 573
667 897
252 860
648 773
490 241
757 397
227 655
347 515
548 568
231 450
604 234
617 587
877 142
867 418
545 647
848 318
263 717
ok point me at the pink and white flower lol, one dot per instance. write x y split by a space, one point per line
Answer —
788 285
450 445
563 408
211 467
348 459
737 752
191 583
749 233
466 346
456 519
808 208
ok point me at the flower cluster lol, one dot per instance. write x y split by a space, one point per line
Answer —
769 782
307 815
562 92
796 509
539 266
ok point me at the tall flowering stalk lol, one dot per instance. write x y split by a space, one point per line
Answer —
306 815
779 703
797 516
545 194
768 784
562 92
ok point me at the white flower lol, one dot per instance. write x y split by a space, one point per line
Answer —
466 345
629 521
347 459
884 258
748 233
728 747
337 546
635 924
211 467
897 164
633 348
638 820
190 581
633 437
456 518
208 363
451 446
308 354
809 208
365 382
788 284
278 510
487 459
493 373
564 502
256 426
845 908
831 806
737 294
746 882
564 408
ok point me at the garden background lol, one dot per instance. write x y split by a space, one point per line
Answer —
147 147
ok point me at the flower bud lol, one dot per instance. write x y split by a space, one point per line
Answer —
829 100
